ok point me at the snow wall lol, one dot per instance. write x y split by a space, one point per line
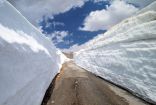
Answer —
125 55
28 61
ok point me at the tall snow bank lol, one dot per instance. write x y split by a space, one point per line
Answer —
125 55
28 61
151 7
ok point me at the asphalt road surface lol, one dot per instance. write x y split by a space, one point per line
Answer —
76 86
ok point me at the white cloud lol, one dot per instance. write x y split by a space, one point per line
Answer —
58 36
106 18
73 48
96 1
54 24
34 10
68 42
57 23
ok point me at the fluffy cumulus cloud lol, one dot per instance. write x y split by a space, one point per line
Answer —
36 9
106 18
58 36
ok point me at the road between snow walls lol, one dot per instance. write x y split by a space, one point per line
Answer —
126 54
28 61
76 86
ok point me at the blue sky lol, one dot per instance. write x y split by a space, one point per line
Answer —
71 23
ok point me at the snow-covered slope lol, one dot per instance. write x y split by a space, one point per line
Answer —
125 55
151 7
28 61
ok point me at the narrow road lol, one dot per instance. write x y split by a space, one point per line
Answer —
76 86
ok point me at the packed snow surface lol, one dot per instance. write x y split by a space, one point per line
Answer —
125 55
28 61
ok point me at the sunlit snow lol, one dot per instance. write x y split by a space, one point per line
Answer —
28 61
125 55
